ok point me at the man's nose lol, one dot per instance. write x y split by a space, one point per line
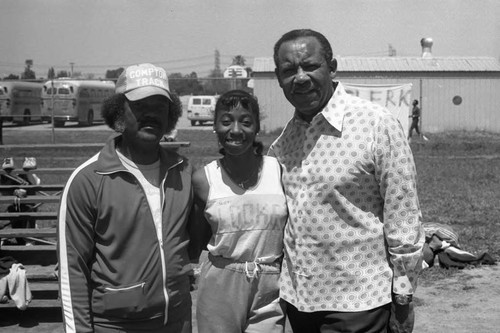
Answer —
301 76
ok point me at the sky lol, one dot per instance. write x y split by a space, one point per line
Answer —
92 36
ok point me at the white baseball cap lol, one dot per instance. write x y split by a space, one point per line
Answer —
143 80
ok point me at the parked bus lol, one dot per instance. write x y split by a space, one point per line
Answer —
74 100
20 101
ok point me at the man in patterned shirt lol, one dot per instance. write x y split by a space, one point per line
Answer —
353 241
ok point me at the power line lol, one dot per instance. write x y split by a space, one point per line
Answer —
202 65
209 56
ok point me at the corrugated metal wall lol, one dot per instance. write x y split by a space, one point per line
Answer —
275 108
479 110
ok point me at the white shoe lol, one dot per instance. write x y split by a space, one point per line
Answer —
29 163
8 164
425 138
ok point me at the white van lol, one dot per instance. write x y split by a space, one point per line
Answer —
201 109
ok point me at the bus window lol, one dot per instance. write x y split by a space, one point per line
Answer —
84 93
24 93
63 91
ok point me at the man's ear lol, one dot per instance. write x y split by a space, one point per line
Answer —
333 67
276 71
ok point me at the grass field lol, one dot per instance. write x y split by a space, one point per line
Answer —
458 176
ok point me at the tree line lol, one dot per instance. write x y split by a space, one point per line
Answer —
181 84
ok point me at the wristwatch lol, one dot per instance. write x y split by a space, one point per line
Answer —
403 299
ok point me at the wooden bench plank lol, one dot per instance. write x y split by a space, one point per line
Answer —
44 187
44 171
36 303
29 215
31 248
44 286
43 255
48 277
39 272
30 199
28 232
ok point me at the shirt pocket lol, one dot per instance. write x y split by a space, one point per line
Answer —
125 302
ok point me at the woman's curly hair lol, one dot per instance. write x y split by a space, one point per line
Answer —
113 110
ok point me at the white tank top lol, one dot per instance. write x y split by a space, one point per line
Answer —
247 224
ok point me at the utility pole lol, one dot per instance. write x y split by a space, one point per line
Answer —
71 64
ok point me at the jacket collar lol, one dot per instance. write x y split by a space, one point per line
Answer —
334 111
109 162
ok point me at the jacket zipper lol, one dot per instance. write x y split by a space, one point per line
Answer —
162 255
160 241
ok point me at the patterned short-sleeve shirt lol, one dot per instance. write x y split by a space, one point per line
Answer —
350 182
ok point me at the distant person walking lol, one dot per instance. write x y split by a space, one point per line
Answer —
415 116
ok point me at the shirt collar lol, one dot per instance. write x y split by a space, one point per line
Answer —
334 110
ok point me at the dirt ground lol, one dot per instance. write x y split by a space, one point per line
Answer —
466 303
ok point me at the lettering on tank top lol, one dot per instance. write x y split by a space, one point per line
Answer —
249 216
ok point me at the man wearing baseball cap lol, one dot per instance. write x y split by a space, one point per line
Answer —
124 219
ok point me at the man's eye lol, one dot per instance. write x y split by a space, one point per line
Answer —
310 68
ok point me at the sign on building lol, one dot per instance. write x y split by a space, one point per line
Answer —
396 98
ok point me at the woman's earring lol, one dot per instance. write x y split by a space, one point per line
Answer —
213 131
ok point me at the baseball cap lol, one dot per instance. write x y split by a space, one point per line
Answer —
143 80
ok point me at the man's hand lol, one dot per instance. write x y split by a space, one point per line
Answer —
402 318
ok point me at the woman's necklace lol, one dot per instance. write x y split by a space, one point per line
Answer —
248 181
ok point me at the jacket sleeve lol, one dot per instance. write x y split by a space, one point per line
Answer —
198 228
75 250
404 234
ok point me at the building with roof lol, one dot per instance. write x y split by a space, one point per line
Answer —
455 93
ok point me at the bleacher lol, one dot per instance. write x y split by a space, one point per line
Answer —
37 252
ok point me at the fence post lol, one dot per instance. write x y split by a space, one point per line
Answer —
52 112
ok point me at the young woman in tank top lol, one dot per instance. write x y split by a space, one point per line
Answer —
244 213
